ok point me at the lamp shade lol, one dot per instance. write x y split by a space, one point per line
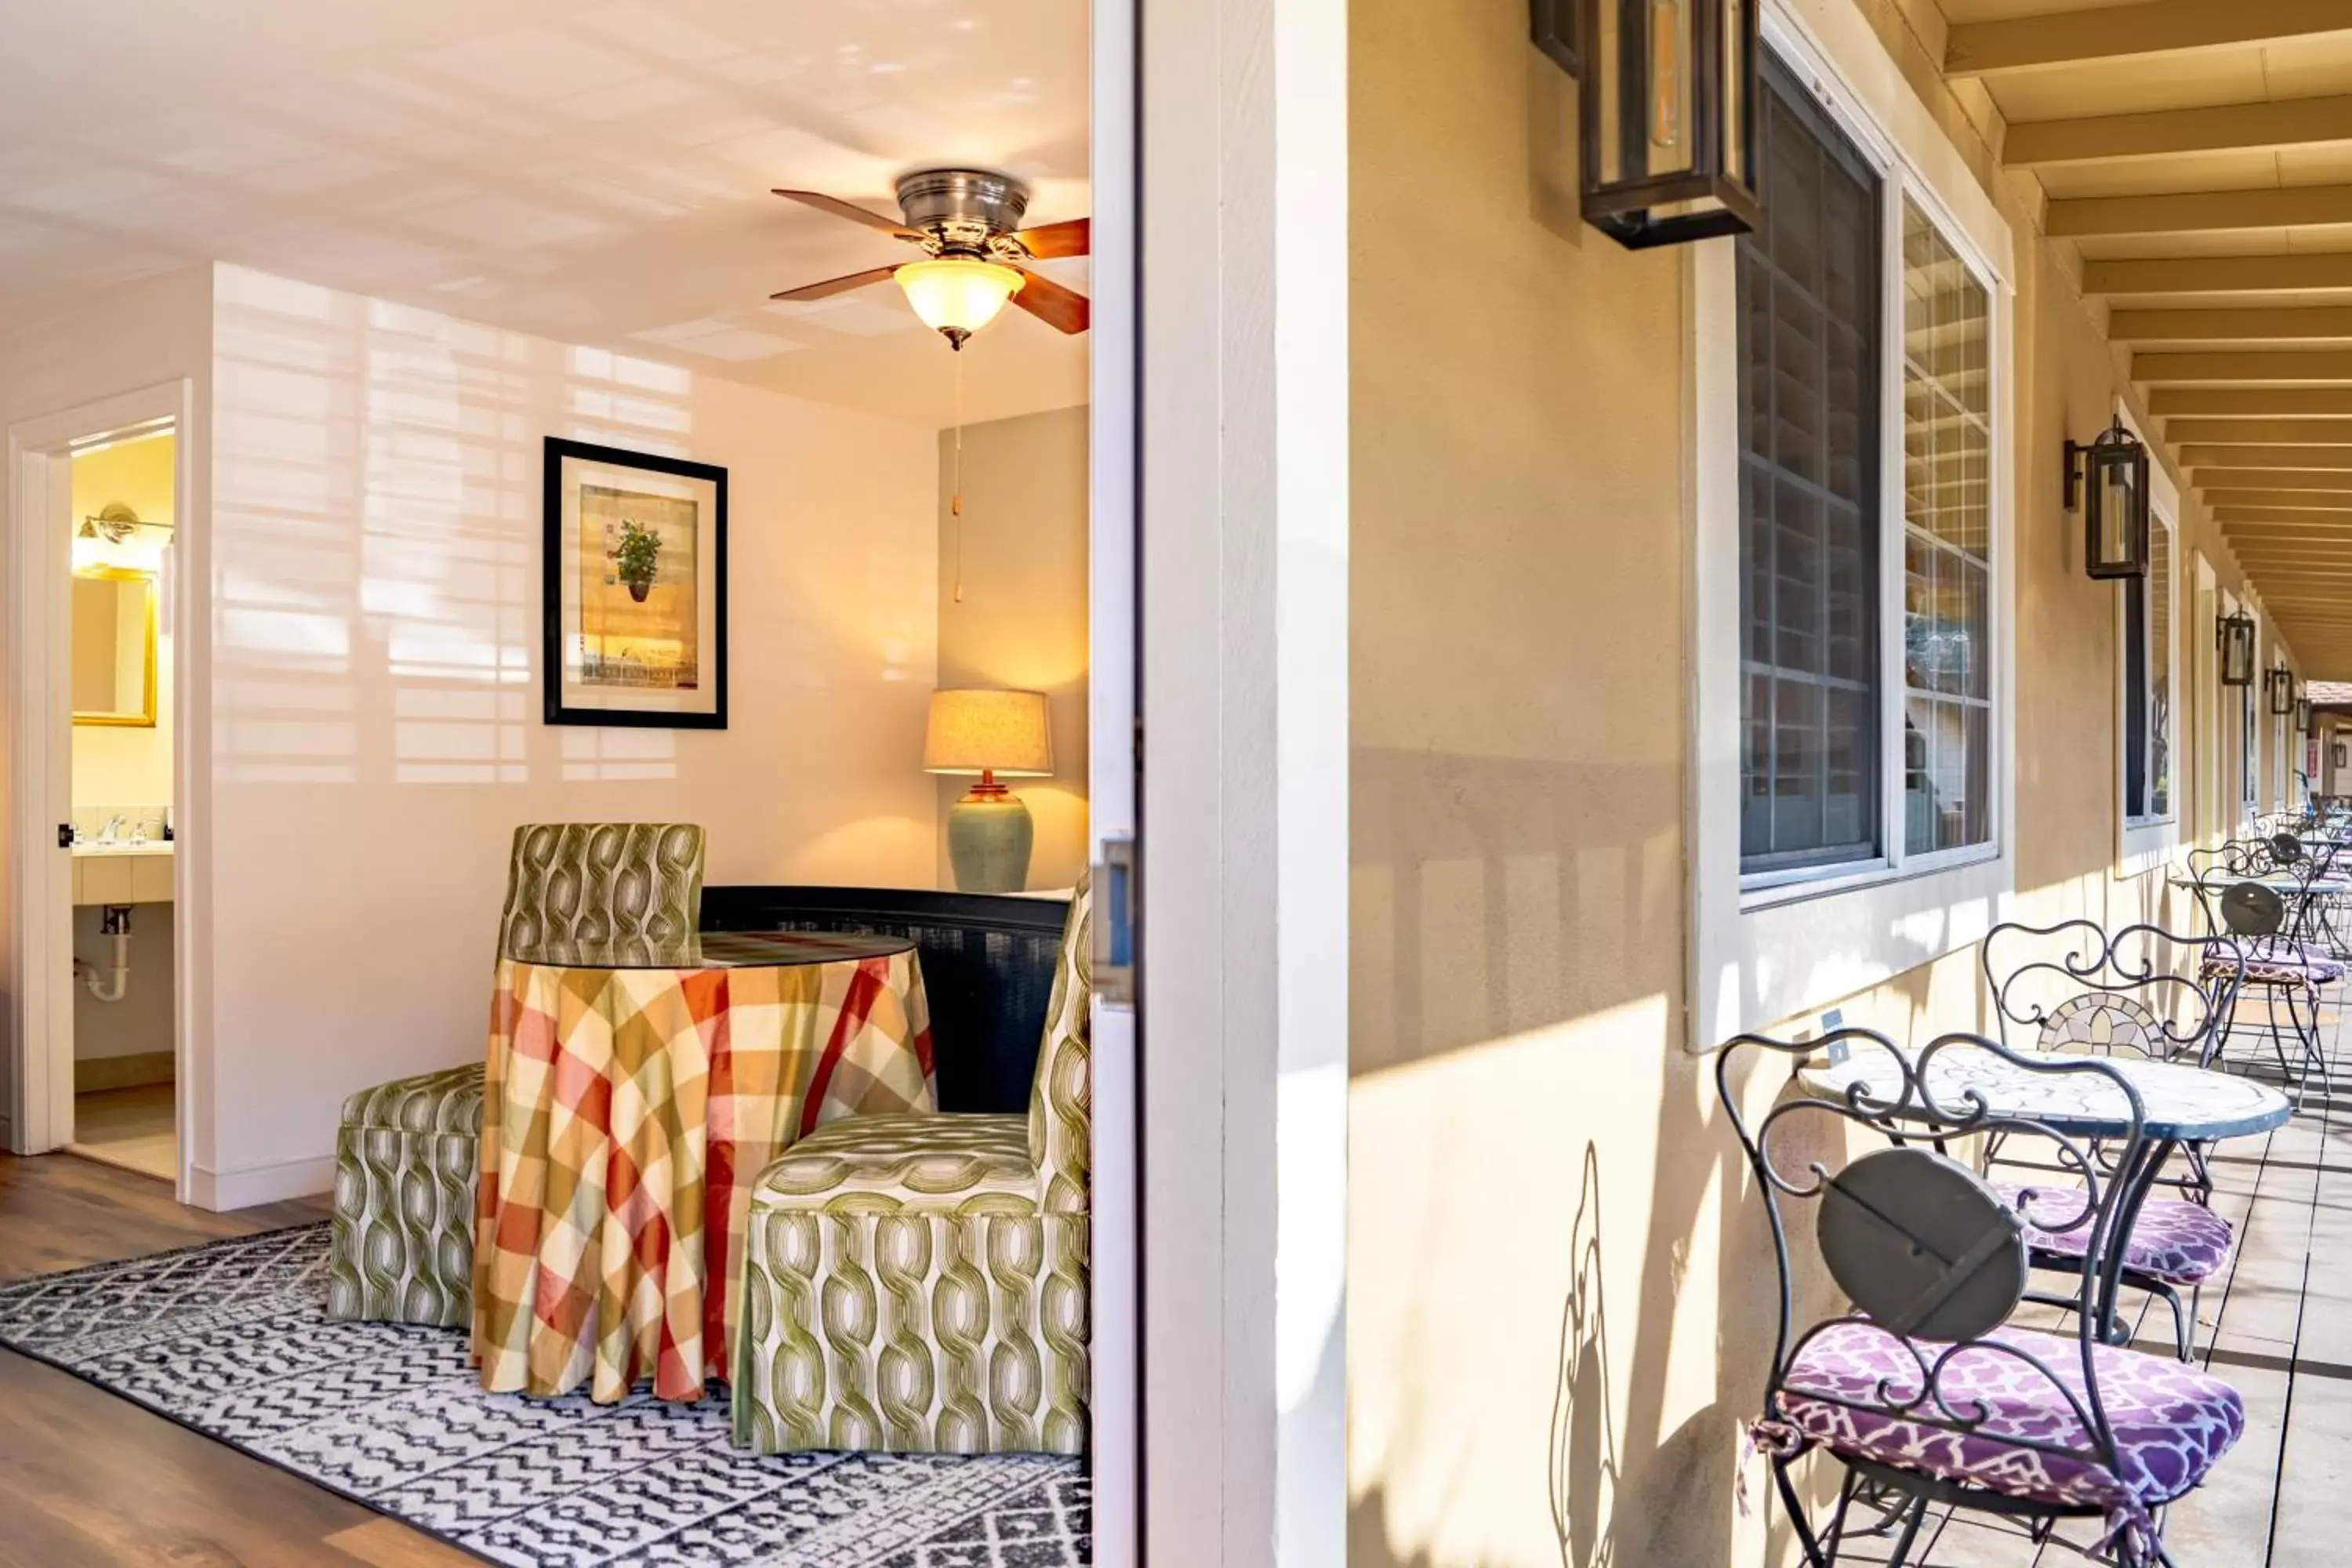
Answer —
957 295
975 732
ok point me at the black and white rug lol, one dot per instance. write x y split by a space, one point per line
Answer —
232 1340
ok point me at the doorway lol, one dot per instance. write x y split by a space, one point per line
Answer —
97 1065
118 661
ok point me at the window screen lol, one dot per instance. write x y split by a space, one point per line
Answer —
1947 545
1810 344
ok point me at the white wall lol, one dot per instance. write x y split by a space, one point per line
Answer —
1022 620
124 339
374 726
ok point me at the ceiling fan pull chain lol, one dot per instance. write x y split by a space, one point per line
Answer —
955 503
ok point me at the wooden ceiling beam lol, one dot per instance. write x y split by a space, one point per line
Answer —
2252 402
2278 365
2218 127
2260 432
2285 479
2218 274
2306 323
2318 501
2337 523
2259 458
2153 27
2200 212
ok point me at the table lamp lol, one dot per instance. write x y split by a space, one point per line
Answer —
988 732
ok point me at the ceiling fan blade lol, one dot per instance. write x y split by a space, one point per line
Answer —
841 285
1062 309
1053 239
855 214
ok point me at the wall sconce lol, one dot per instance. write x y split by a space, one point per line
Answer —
2114 510
2278 683
1668 96
2235 632
2303 715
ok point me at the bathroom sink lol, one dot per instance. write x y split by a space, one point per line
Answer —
121 847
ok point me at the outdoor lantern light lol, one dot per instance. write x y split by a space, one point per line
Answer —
2303 715
1669 97
2115 505
2279 683
2236 635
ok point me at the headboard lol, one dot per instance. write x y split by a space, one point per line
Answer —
988 970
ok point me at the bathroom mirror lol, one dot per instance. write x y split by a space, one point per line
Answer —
113 647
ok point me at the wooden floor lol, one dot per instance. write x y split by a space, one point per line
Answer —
2278 1327
132 1127
87 1478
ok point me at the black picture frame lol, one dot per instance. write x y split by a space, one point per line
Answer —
555 711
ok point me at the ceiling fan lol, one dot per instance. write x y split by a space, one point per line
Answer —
975 254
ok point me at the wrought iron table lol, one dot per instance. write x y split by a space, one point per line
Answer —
2179 1104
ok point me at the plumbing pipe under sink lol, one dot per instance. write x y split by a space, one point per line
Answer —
112 983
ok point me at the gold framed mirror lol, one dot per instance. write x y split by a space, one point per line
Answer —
114 629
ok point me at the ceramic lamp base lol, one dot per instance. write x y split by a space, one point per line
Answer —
989 839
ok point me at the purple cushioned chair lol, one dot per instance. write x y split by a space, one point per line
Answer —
2071 988
1924 1392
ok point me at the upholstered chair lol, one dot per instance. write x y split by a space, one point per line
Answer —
408 1151
918 1283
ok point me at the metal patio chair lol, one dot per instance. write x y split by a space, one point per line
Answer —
2143 991
1922 1392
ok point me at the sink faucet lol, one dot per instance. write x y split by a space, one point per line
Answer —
106 833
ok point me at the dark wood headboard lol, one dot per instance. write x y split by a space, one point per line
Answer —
988 970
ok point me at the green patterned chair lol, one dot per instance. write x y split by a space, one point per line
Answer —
918 1283
407 1152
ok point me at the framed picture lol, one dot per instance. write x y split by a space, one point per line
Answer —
635 589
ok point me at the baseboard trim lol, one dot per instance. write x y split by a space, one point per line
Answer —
272 1181
95 1074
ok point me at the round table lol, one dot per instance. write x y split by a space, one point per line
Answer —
2179 1104
633 1093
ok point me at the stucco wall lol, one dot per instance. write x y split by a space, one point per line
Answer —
1539 1360
1560 1292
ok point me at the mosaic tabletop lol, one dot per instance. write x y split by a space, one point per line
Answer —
629 1105
2177 1101
2277 882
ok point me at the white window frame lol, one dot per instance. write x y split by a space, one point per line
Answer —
1771 946
2144 843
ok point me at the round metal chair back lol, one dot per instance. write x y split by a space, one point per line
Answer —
2248 909
2288 847
2099 1022
1921 1246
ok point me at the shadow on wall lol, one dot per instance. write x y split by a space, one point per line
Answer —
1534 1367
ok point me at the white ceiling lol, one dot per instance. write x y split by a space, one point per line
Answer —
595 172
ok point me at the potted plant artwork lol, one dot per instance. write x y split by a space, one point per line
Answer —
636 558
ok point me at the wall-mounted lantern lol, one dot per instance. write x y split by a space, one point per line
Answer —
2235 632
2113 497
2278 683
2303 715
1669 97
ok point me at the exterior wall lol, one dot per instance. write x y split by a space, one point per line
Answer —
374 683
1022 621
1560 1291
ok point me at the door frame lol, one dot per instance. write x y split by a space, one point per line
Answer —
37 708
1113 783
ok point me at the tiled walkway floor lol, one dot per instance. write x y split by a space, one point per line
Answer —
2279 1328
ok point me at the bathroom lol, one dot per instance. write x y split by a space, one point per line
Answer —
120 674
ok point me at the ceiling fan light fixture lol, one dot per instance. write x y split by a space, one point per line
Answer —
957 296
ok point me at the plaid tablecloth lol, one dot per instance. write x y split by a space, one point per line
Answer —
625 1113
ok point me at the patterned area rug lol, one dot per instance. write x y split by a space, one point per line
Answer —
232 1339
